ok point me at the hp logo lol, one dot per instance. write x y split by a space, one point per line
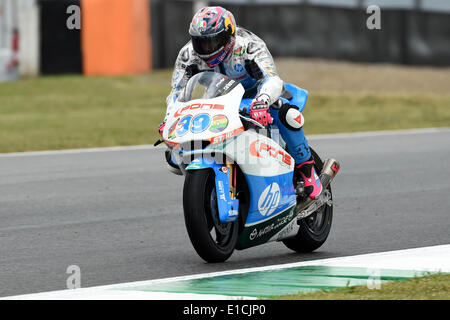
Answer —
269 199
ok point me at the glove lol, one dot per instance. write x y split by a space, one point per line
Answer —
259 111
161 128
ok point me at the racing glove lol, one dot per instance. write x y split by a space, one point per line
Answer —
259 111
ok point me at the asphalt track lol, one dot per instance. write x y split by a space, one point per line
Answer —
117 214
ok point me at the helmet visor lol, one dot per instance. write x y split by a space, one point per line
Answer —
207 46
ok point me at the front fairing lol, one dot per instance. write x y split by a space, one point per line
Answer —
213 120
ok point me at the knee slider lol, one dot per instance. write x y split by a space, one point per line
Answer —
291 117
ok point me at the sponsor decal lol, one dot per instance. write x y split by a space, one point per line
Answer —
232 214
227 135
287 230
269 199
218 84
260 149
299 119
238 67
219 123
224 170
274 226
266 61
172 133
239 51
228 85
335 167
258 234
267 65
254 234
199 106
200 123
183 126
221 191
270 71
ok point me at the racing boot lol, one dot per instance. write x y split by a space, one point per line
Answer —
312 184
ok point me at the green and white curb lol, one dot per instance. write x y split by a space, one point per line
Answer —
252 283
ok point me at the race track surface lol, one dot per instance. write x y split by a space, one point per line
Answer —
118 214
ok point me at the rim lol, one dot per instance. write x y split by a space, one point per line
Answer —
316 223
219 232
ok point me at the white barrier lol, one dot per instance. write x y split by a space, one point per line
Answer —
19 39
29 38
8 23
7 73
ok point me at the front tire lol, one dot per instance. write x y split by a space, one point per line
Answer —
313 230
214 241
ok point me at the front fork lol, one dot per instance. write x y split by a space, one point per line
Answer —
225 180
233 174
226 192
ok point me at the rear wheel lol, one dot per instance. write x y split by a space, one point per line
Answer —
214 241
314 229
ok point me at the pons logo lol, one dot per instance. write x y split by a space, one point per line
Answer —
269 199
257 147
201 106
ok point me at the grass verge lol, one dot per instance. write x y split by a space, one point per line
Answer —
432 287
64 112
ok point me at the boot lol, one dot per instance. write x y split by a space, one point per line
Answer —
313 186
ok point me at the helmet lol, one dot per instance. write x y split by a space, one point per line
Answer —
212 34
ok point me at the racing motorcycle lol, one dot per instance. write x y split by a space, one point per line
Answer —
240 187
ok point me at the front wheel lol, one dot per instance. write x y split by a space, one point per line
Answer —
314 229
214 241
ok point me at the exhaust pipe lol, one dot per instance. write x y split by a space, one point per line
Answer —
329 171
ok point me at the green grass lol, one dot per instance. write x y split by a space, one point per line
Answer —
432 287
76 112
330 113
61 112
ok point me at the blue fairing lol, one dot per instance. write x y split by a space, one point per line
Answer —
245 105
265 205
299 98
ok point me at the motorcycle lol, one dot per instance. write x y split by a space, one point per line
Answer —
240 187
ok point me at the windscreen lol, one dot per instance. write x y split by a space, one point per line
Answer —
207 85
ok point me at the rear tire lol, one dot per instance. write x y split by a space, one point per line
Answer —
214 241
314 230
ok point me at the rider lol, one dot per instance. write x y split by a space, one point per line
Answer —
217 44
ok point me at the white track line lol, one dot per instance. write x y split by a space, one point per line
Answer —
351 135
377 133
431 259
76 151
